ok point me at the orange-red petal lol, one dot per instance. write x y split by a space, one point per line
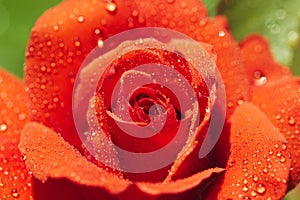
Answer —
277 93
258 167
216 32
59 42
64 35
213 31
62 173
15 180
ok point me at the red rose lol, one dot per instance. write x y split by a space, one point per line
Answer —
255 157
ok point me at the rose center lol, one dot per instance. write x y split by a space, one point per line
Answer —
148 103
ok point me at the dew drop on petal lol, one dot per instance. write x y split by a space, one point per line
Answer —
183 4
282 159
77 43
100 43
22 116
15 193
292 121
253 193
245 188
3 127
260 188
97 31
81 19
135 13
255 178
283 147
259 78
55 28
221 34
230 104
111 7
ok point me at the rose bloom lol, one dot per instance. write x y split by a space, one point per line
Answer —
43 157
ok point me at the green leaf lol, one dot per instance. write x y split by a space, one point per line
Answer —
16 20
276 19
294 194
211 6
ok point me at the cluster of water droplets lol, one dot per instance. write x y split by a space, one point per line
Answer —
259 167
14 178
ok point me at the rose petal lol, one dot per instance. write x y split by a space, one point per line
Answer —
260 63
171 14
51 159
277 93
62 173
188 161
59 42
64 35
15 180
212 31
188 188
258 166
216 32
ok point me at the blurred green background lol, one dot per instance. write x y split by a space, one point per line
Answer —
17 17
279 20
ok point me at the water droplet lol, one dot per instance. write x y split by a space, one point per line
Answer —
221 34
97 31
255 178
292 121
1 79
100 43
135 13
275 28
232 163
183 4
81 19
280 14
230 104
55 28
293 36
259 78
15 193
111 7
3 127
253 193
282 159
260 188
245 188
77 43
283 147
22 116
265 170
240 102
